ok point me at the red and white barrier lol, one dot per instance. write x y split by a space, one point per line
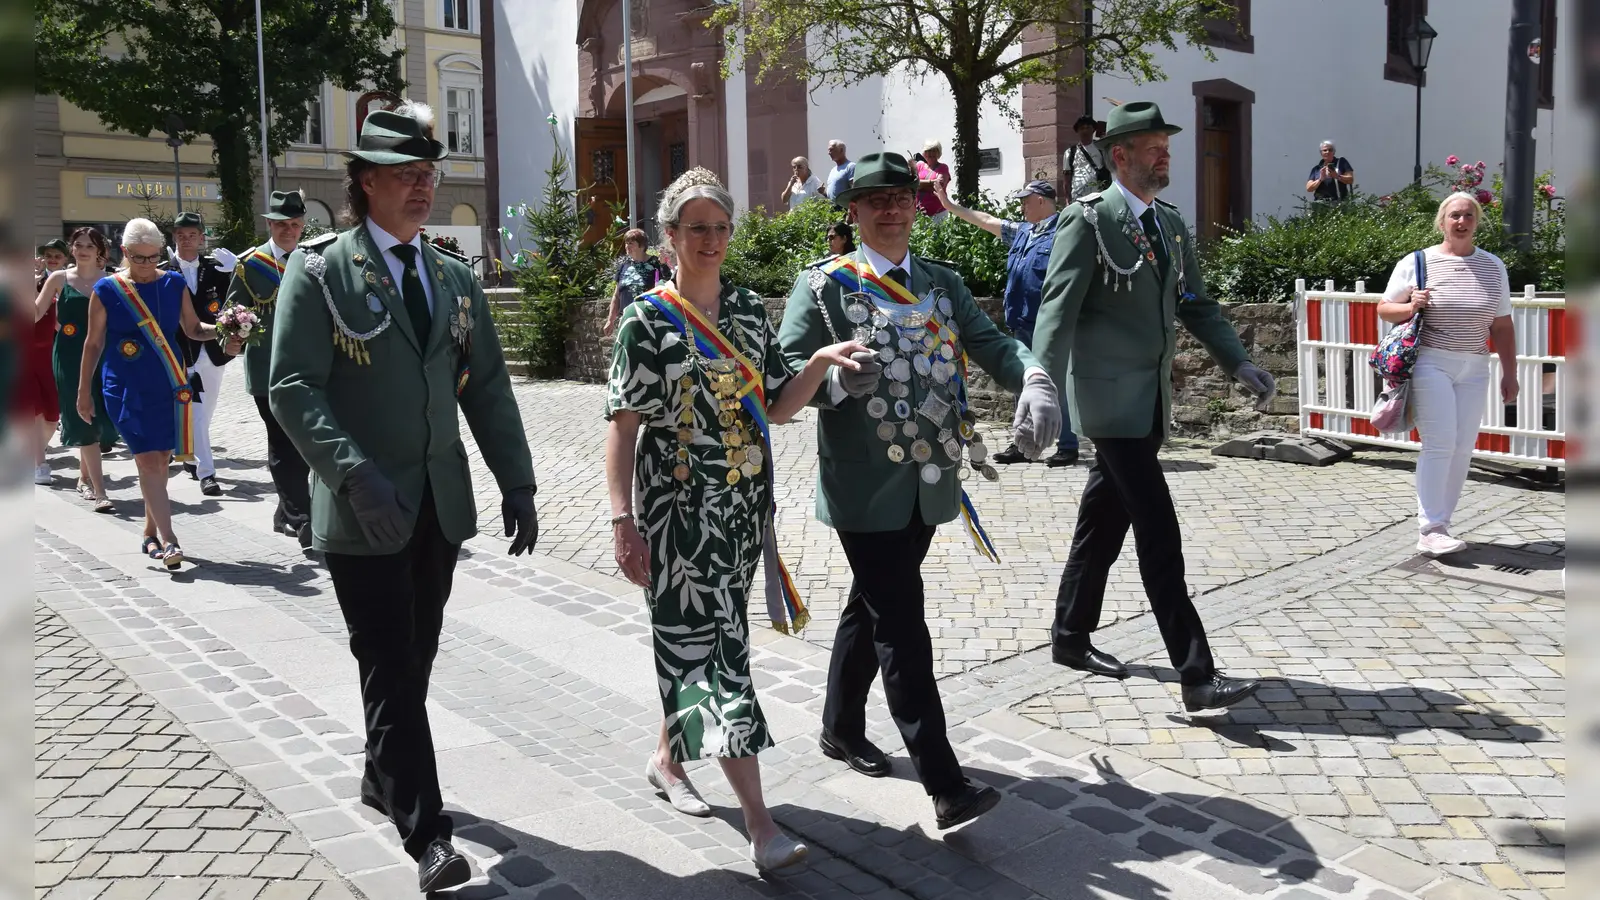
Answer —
1337 331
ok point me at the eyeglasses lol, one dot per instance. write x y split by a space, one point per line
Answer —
702 230
143 260
410 175
901 199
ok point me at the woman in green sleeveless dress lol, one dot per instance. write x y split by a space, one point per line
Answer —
69 291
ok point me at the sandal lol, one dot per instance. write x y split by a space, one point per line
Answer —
85 491
150 547
103 505
173 558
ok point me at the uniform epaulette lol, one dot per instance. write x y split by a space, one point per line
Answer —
826 259
320 241
450 253
939 262
1093 197
1168 205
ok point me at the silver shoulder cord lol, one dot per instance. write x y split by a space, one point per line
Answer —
318 267
818 283
1092 216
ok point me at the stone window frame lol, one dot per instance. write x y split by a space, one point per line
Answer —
461 72
466 8
1232 32
1231 91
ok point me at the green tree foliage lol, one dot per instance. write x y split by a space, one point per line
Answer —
971 44
136 62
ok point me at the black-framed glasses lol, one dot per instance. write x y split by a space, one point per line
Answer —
142 259
900 199
411 175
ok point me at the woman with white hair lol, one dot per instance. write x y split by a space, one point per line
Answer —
137 313
1464 298
930 171
696 377
803 184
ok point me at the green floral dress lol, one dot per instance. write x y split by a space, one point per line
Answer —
704 533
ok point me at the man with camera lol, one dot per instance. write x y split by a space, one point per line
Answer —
1083 165
1331 177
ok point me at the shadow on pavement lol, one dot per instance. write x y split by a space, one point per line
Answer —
292 580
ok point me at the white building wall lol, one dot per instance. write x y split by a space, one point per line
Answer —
536 72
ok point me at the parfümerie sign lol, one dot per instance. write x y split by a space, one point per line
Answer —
153 189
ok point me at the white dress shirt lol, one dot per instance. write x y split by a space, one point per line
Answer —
1136 206
191 272
386 243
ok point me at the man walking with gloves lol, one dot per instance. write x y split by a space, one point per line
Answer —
895 440
1122 270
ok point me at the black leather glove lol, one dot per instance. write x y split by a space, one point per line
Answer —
522 521
379 508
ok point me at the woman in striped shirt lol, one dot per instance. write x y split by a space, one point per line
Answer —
1467 302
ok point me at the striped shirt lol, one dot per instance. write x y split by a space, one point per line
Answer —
1468 294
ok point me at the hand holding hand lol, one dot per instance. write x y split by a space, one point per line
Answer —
1420 298
1509 387
633 557
1257 381
378 507
1037 424
522 521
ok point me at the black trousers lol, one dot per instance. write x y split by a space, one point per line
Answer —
290 474
393 606
1126 487
883 626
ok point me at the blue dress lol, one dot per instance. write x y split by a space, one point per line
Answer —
140 397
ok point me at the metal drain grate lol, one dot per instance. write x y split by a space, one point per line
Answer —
1516 568
1513 570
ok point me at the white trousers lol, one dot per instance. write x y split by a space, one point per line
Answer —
1448 393
210 390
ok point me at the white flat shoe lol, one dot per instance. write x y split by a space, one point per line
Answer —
780 853
1437 543
683 797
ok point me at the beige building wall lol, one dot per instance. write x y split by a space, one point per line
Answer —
89 174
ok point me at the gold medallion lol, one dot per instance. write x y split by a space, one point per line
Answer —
686 416
725 418
680 472
686 382
685 435
683 453
733 476
733 439
736 457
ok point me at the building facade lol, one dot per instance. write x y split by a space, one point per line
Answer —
90 175
1286 76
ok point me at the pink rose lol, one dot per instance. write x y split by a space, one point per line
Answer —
1479 165
1549 190
1467 168
1485 197
1452 160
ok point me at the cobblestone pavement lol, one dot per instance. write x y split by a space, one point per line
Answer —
129 805
544 703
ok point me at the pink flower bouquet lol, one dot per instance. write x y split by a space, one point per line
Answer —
239 322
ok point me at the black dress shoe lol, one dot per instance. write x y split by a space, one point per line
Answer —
303 534
191 470
964 805
1062 458
209 486
1009 455
1218 693
860 755
285 528
1088 659
442 868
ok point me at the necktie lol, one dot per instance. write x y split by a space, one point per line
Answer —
412 291
1152 231
897 275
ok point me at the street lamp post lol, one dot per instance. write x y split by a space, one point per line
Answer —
1419 46
174 126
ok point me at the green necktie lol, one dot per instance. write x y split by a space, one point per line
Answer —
416 296
1153 232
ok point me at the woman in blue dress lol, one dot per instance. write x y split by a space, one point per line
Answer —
135 316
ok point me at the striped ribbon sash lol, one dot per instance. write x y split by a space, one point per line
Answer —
784 606
859 278
265 264
171 363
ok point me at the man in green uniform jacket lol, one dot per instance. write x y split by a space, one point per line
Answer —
893 451
1123 271
379 338
256 276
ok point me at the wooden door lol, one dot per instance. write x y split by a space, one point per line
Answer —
1219 148
601 168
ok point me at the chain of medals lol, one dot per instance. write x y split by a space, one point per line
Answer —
916 344
722 379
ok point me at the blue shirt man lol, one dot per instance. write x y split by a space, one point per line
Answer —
1028 244
843 171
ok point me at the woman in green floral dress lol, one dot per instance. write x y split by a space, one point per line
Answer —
681 440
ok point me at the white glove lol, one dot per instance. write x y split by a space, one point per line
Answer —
226 261
1257 381
1037 425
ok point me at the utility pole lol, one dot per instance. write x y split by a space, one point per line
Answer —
1522 114
261 85
627 98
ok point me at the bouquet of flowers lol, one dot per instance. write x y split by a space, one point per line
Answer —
241 323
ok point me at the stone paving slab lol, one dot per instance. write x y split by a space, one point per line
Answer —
129 805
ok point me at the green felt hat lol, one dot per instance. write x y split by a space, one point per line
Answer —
876 172
285 205
55 244
188 219
1137 117
391 139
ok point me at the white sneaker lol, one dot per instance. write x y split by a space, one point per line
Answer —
1438 543
41 474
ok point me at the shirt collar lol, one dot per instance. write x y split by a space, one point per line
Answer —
387 241
1135 205
881 264
186 263
278 253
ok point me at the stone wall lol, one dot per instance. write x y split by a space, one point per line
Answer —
1205 402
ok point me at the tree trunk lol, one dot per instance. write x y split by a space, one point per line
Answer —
233 152
965 149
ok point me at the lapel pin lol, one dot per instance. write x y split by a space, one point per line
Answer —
374 304
357 258
372 279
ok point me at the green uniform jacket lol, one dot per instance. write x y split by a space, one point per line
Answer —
397 412
858 487
1110 350
257 291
